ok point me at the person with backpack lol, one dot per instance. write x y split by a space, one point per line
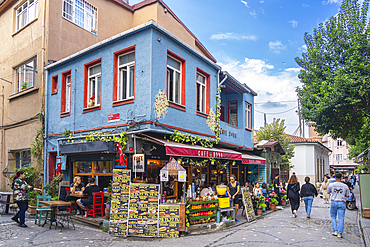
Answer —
308 191
293 194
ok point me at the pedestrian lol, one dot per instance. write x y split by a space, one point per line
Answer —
249 186
339 192
324 187
293 194
283 184
308 191
347 183
233 189
20 196
277 188
257 191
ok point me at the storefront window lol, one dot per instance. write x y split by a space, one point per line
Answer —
104 167
100 170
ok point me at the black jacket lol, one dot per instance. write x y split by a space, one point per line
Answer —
291 193
308 190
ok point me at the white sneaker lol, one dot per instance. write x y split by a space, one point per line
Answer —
295 213
335 233
339 236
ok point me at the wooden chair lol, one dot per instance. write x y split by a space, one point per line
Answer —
42 209
97 207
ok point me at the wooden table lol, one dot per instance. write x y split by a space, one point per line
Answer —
78 195
54 206
8 195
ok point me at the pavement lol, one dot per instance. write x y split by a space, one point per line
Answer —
275 229
364 223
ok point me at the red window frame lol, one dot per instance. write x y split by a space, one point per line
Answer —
228 112
63 102
208 93
249 118
182 105
86 82
222 113
54 84
115 75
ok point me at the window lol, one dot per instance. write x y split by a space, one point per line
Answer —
54 84
25 76
338 143
329 157
248 116
26 13
92 85
233 113
203 90
19 159
329 144
176 81
222 113
66 93
126 76
81 13
338 157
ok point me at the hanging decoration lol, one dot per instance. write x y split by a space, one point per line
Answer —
211 120
160 105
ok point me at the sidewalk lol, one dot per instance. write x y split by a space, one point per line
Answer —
363 223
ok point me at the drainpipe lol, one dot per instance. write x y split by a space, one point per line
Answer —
74 103
46 167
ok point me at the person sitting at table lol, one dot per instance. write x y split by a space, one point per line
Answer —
76 187
89 190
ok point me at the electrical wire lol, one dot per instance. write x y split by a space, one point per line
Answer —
277 112
287 101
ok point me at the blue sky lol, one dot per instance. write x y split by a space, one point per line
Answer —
257 42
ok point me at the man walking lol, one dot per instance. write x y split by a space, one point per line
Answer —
338 192
277 188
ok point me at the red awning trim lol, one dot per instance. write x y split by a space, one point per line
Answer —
253 159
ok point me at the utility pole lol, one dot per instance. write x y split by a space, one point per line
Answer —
264 116
299 113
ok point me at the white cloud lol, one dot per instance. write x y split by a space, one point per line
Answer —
262 1
233 36
295 70
331 1
276 46
294 23
254 14
245 3
305 5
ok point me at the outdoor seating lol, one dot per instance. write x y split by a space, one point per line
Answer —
67 216
42 212
97 207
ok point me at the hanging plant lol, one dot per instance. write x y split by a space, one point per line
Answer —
217 128
211 120
99 136
192 139
160 105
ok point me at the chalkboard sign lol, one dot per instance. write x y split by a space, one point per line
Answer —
119 203
169 221
143 210
247 201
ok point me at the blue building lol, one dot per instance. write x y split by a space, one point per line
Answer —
151 88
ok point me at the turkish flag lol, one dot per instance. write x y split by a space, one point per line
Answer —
122 161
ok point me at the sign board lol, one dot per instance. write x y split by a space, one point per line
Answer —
164 176
138 163
143 210
247 201
119 203
113 117
182 176
169 221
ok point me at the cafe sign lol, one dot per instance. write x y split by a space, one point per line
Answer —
201 153
138 164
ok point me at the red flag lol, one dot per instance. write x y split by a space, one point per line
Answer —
121 159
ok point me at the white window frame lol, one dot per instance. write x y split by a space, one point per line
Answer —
121 68
174 71
26 13
338 157
201 101
248 116
22 68
68 93
94 89
81 13
339 143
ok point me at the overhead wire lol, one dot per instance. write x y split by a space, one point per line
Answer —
277 112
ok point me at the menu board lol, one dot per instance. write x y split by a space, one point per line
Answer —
119 203
248 204
169 221
143 214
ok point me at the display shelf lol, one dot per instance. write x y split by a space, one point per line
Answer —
202 202
202 209
202 216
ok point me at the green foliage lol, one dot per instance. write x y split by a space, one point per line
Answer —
98 136
276 132
24 85
52 189
37 147
32 194
218 115
191 139
336 71
284 197
274 201
271 186
109 199
32 176
261 202
362 167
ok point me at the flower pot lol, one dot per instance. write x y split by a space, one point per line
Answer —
259 211
366 212
31 209
283 202
273 206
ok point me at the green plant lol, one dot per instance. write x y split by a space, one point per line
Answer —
38 144
274 201
284 197
32 176
109 199
192 139
361 168
261 202
32 194
218 115
24 85
52 188
271 186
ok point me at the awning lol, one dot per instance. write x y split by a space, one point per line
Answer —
343 167
180 149
253 159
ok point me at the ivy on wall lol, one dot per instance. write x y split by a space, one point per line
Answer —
37 147
192 139
98 136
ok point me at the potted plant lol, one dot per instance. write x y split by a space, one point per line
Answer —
52 188
24 85
109 199
260 204
273 203
283 200
32 203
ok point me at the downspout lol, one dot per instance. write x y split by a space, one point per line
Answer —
46 167
74 103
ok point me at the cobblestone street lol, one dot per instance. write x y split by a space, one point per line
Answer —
275 229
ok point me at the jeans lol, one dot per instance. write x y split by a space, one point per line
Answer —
337 207
21 214
308 204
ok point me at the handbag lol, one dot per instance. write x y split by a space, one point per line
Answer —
295 188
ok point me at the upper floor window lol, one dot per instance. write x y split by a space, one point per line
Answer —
19 159
338 143
66 93
233 113
248 116
201 93
329 143
173 80
93 88
338 157
25 75
26 13
126 76
81 13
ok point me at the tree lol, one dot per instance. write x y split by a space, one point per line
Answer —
276 132
336 71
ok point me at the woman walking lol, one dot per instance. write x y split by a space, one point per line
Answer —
325 193
293 194
233 189
308 191
20 196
